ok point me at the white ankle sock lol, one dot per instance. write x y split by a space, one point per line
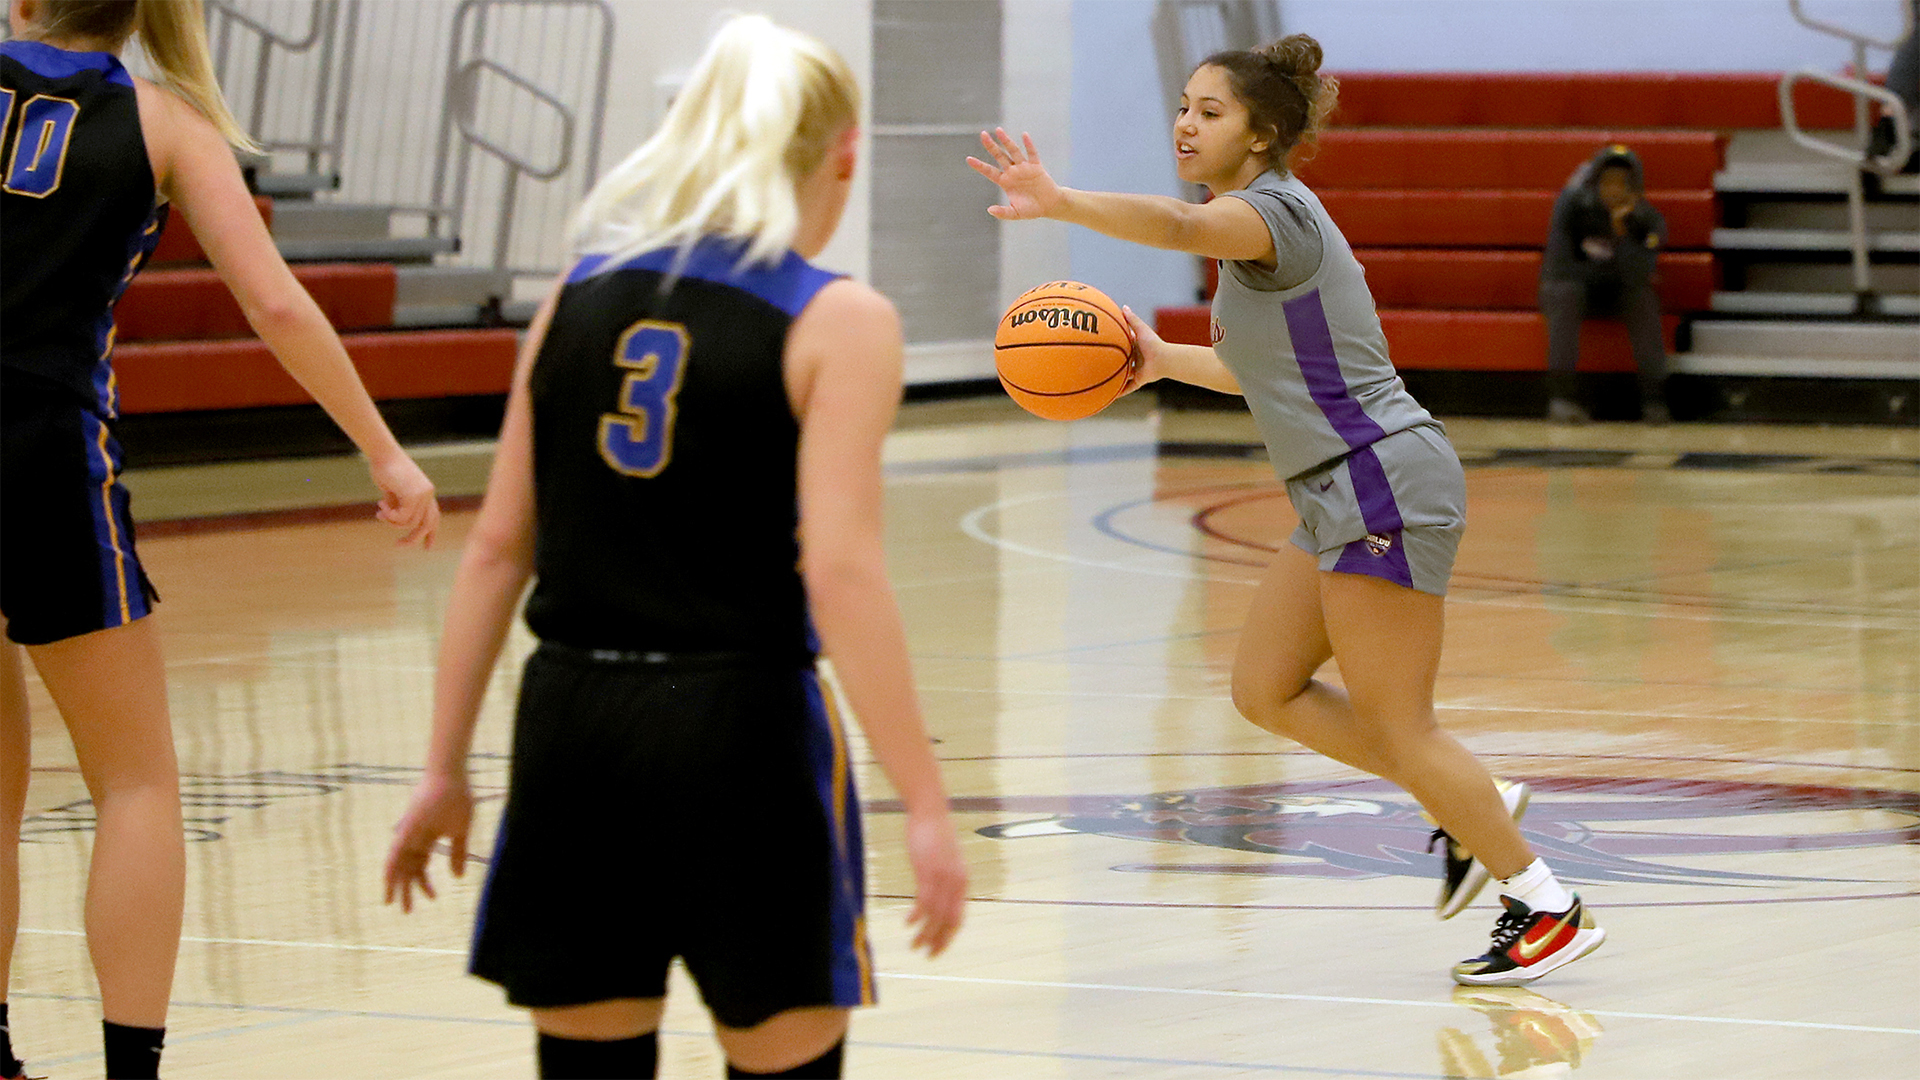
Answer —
1537 888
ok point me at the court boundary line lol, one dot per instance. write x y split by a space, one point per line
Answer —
293 1015
1037 984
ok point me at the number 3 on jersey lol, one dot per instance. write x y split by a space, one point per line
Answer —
638 440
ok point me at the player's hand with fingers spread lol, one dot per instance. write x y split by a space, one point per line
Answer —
1146 353
406 498
1030 190
939 878
442 806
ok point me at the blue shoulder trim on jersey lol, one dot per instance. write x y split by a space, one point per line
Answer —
50 63
788 285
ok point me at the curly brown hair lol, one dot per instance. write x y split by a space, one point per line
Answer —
1284 94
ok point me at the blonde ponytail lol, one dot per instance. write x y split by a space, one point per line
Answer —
759 113
174 33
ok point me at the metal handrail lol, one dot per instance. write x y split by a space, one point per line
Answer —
1866 302
469 26
323 30
1886 164
1858 38
463 96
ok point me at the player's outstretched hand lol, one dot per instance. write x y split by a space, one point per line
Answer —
939 879
406 499
1146 353
442 806
1030 190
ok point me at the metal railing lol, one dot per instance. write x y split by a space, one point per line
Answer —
533 150
329 35
1858 155
477 121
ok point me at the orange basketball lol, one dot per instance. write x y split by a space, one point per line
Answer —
1063 350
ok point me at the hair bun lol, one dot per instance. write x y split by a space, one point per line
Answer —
1295 56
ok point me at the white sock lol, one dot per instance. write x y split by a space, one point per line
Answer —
1537 888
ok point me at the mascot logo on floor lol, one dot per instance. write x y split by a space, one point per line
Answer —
1589 829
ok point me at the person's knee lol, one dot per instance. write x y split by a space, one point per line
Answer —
797 1042
1265 702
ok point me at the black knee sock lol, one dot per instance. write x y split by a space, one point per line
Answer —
595 1059
824 1067
133 1053
9 1065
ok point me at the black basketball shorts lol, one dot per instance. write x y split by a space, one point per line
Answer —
692 806
67 562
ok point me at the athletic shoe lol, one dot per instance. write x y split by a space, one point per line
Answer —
1464 876
1527 944
1535 1036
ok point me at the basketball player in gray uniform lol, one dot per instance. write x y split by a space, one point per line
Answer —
1378 488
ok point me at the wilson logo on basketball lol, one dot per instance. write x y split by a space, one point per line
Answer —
1057 317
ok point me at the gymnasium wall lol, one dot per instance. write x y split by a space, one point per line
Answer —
656 43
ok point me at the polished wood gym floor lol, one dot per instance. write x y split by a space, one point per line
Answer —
1700 643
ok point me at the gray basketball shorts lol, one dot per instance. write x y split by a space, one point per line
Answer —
1395 509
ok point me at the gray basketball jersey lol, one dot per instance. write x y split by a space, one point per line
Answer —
1311 359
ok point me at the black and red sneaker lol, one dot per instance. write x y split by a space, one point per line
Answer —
1527 944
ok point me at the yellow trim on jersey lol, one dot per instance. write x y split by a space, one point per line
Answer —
636 422
47 128
113 529
863 954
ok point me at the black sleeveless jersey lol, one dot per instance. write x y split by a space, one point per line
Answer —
77 213
664 452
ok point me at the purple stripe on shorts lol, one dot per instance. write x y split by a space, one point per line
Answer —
1381 515
1313 351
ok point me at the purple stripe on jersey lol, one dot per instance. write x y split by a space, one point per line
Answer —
1313 351
1381 515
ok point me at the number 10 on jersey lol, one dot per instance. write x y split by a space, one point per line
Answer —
638 440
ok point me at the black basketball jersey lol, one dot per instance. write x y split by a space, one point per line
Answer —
664 452
77 213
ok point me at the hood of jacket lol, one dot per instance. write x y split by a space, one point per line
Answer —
1587 176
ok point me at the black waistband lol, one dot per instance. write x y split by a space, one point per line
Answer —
574 654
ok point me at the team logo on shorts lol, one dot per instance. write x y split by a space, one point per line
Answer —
1593 829
1379 543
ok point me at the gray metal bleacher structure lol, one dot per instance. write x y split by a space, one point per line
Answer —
1819 246
509 122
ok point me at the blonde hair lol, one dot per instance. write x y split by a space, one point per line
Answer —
759 113
174 33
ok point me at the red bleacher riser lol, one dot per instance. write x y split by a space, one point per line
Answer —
178 245
1522 99
194 375
1509 280
1429 218
1501 341
186 303
1458 340
1523 160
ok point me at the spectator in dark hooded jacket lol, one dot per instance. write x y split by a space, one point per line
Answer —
1599 259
